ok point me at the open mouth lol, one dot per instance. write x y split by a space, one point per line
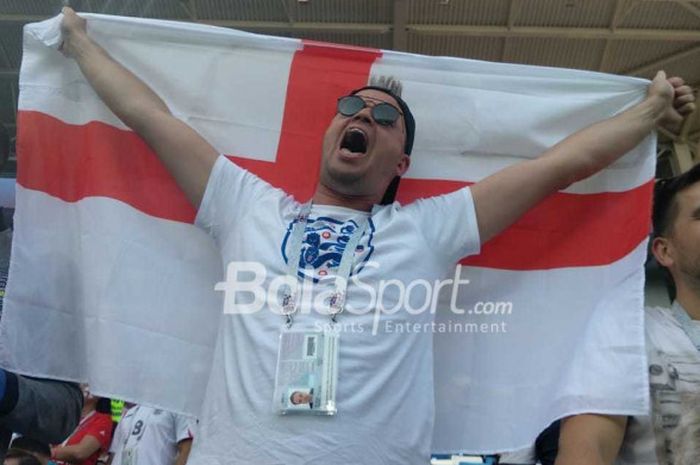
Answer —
354 141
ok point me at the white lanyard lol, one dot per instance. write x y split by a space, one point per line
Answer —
337 301
691 330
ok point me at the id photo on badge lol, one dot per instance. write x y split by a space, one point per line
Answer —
300 398
301 395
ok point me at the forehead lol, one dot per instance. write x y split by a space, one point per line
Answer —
378 95
689 198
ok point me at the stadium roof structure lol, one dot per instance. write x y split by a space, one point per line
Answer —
630 37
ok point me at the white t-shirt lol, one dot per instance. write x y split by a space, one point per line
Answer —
150 435
525 456
385 382
674 372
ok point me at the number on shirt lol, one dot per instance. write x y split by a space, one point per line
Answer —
138 430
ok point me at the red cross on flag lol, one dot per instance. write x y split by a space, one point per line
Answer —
111 283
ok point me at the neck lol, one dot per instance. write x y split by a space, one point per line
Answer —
87 408
327 196
688 295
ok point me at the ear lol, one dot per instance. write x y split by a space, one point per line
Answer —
663 251
403 165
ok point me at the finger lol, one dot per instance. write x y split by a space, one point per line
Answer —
686 109
683 99
676 81
683 90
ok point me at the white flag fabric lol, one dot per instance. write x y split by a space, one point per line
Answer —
111 283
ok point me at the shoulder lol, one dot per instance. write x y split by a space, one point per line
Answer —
659 318
100 427
658 323
103 419
665 337
228 171
429 205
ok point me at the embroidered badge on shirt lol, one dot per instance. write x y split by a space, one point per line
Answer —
324 242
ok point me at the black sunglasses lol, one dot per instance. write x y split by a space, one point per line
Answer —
383 113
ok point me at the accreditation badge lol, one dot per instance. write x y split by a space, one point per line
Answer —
307 373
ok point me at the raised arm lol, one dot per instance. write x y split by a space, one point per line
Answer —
187 156
590 439
504 197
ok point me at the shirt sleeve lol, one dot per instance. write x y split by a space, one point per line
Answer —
184 427
231 192
101 429
47 410
449 224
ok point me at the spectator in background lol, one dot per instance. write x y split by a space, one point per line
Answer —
673 349
149 436
91 437
46 410
38 449
19 457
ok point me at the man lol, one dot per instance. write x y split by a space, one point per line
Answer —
46 410
90 439
149 436
384 381
672 345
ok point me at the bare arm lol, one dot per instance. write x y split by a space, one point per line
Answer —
183 451
590 439
77 452
505 196
187 156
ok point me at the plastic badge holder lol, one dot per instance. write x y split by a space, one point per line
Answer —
307 373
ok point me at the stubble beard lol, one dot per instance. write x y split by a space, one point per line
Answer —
342 182
690 269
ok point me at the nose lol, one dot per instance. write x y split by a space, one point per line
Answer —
364 115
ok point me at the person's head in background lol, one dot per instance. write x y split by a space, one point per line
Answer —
89 401
676 242
33 447
20 457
